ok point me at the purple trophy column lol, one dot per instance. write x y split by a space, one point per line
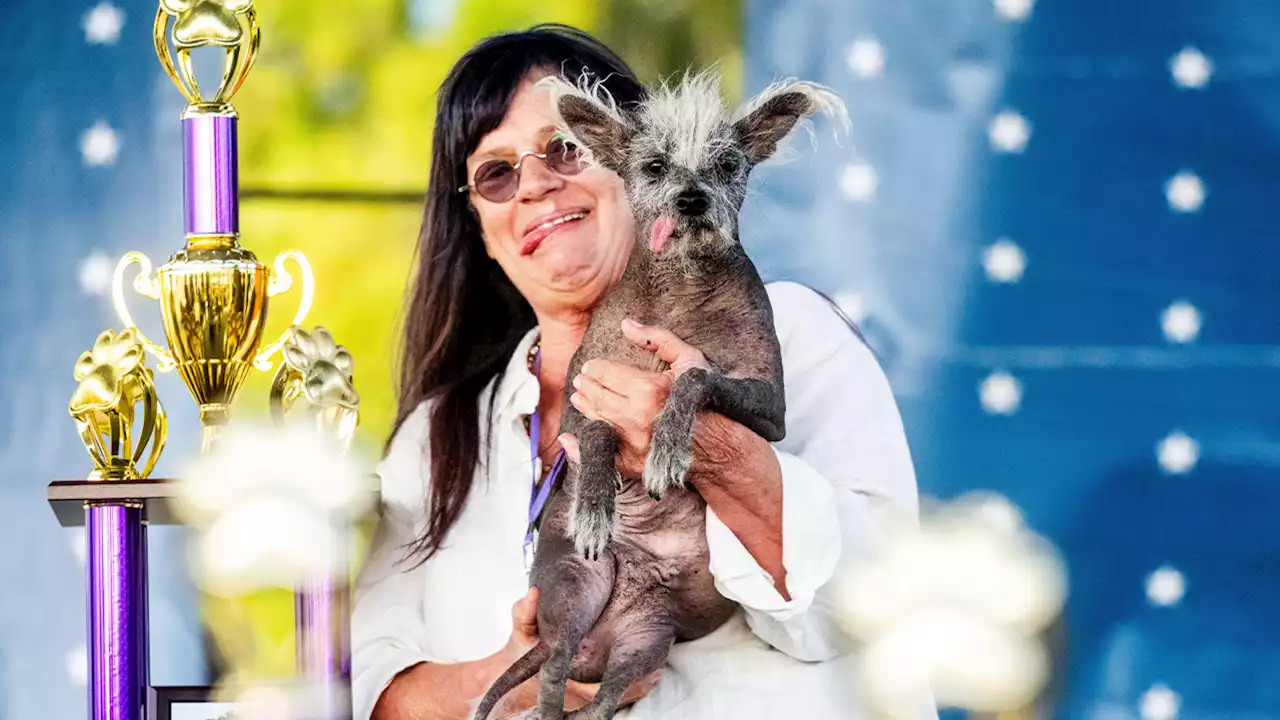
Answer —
323 640
117 612
210 181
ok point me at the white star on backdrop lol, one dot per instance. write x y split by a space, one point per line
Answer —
1159 703
1185 192
865 57
1014 9
1004 261
102 24
95 273
1000 394
1181 322
1178 453
77 666
99 145
859 182
1009 132
851 304
1191 69
1165 587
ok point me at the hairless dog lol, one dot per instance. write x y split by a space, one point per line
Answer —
622 565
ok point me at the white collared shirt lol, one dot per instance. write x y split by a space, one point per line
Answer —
846 471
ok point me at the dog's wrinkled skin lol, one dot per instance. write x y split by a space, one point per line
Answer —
622 565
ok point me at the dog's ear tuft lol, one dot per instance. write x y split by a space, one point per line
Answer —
588 117
767 119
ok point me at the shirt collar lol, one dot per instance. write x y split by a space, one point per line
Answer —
519 388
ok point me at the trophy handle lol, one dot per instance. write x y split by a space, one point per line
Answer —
149 287
286 388
280 282
240 60
160 34
155 424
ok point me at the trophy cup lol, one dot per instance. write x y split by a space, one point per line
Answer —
213 292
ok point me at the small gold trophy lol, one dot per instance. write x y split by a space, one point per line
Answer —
213 292
317 378
113 381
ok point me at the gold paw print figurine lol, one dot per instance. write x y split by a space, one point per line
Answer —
319 373
229 24
112 382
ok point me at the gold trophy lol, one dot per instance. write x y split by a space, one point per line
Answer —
317 378
113 381
213 292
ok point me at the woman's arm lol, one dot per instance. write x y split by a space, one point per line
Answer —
738 474
431 691
396 674
843 473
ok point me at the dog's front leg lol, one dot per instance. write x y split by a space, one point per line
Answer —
756 404
591 516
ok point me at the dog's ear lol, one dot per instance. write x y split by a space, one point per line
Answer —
588 117
768 118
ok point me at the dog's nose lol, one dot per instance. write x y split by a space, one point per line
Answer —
692 203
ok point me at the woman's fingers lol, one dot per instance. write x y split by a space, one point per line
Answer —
524 616
569 442
621 379
680 355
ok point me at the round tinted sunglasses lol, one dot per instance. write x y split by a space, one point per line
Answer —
498 180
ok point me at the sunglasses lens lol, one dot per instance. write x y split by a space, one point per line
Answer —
496 181
563 157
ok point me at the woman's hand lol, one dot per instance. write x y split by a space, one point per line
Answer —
524 635
630 399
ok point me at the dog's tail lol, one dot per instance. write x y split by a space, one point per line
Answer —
523 669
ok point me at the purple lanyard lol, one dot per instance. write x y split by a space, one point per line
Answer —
541 490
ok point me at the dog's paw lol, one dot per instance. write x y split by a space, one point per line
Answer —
591 525
667 465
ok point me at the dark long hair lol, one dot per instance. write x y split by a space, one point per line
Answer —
465 317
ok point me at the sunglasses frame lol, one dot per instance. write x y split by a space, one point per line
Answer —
515 168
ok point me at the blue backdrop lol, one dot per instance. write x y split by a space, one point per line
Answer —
90 158
1056 221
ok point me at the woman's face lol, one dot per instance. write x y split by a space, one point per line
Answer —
557 266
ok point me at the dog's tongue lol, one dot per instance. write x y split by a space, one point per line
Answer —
662 229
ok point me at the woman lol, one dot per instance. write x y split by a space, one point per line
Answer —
513 256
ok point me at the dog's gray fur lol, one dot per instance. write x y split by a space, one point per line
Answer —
622 564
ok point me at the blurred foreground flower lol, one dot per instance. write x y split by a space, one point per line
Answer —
296 700
954 609
274 507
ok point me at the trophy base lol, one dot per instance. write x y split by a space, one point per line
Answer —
68 498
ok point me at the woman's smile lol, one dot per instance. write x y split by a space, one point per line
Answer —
545 226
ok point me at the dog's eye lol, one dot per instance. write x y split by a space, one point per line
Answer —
655 167
729 164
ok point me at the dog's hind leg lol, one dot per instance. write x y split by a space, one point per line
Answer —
637 652
572 593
